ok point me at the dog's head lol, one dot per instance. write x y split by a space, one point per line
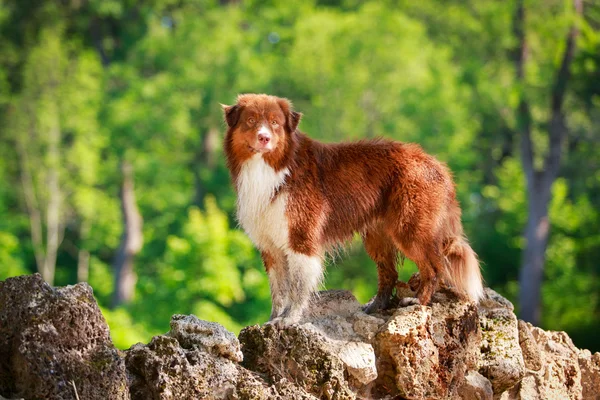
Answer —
259 123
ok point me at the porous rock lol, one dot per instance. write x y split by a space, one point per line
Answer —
190 331
448 350
55 341
590 374
296 354
558 376
475 386
165 370
425 352
55 344
532 356
198 360
501 359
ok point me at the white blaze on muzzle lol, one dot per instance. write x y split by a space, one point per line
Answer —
264 135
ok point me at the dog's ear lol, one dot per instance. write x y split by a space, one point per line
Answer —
232 114
292 118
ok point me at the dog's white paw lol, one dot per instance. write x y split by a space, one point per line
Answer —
409 301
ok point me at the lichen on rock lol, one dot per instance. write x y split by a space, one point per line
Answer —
501 359
427 351
55 341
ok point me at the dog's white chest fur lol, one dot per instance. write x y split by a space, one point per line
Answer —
263 220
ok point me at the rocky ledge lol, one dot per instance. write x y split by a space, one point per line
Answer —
55 344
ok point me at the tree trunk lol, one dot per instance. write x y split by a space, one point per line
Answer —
534 254
31 202
53 211
83 265
83 255
539 183
131 241
45 253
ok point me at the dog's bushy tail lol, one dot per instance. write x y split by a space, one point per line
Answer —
463 271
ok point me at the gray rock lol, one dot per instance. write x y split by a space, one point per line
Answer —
296 354
560 375
501 359
211 337
55 342
328 303
199 360
252 387
164 370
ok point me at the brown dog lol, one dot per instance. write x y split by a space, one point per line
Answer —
297 198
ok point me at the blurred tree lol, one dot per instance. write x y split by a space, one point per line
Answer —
540 180
50 124
140 82
131 240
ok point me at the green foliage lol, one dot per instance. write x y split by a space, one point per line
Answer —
10 259
125 329
142 82
209 270
564 271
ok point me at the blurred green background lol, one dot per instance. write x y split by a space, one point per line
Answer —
87 86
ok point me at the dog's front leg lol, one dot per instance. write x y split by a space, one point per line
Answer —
275 265
305 273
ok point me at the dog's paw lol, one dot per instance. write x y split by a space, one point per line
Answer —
371 308
275 322
283 322
377 304
409 301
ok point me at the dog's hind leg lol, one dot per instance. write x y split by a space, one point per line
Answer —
430 263
382 250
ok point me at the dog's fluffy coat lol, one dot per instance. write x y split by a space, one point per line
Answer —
297 198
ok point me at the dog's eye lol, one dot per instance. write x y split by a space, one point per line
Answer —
251 121
273 122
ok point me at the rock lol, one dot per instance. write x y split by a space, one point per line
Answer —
590 374
558 370
501 359
208 336
324 352
296 354
340 303
425 352
529 347
252 387
55 342
164 370
560 375
475 386
367 326
198 360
